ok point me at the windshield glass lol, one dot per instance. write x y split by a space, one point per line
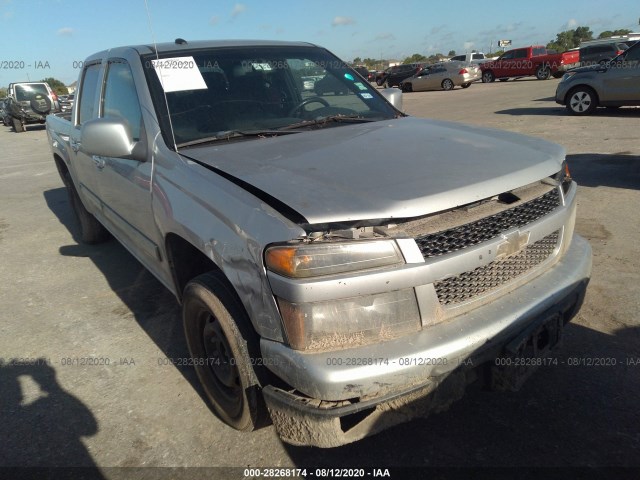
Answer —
256 89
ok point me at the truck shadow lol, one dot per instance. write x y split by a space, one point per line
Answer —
618 170
578 412
152 305
41 425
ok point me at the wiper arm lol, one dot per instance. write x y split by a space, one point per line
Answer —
229 134
325 120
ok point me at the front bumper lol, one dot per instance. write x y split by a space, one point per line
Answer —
301 420
372 370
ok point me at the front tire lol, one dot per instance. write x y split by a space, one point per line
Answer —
488 76
222 344
447 84
581 101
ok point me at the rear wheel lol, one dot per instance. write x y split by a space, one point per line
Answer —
91 230
581 101
488 76
222 345
447 84
543 72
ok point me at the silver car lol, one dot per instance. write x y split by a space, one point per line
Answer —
442 76
612 85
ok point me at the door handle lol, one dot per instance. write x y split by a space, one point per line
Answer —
99 162
75 145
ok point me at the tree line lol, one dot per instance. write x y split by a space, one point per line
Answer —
564 41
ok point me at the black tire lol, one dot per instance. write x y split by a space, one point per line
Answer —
17 125
222 343
407 87
465 85
503 79
488 76
543 72
91 230
581 101
447 84
40 104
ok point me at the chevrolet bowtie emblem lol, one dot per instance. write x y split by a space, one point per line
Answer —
514 242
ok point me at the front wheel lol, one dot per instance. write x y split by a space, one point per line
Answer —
543 72
581 101
488 76
222 344
447 84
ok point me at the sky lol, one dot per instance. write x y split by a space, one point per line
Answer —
51 38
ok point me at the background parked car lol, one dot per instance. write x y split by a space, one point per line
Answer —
612 85
394 75
31 102
442 76
362 71
591 54
5 118
474 57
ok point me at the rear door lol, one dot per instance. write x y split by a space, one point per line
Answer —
621 81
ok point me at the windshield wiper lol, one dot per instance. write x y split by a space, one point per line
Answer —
329 119
230 134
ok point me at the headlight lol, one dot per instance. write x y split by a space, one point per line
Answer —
312 260
350 322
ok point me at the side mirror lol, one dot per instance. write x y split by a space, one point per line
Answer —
393 96
109 137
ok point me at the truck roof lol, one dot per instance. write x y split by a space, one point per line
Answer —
180 44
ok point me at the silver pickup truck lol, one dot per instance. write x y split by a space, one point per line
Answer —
342 267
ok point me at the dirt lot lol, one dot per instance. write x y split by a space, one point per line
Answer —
63 302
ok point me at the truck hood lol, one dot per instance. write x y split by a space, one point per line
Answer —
399 168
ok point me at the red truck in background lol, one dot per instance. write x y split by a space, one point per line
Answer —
529 61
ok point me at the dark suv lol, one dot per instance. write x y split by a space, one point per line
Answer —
392 76
29 103
601 52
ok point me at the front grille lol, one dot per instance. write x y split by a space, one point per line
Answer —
457 238
470 284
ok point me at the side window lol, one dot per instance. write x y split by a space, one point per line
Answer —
520 53
478 56
88 92
508 55
120 97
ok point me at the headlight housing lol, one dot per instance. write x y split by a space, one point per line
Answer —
350 322
317 259
343 322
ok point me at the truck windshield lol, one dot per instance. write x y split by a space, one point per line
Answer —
240 89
